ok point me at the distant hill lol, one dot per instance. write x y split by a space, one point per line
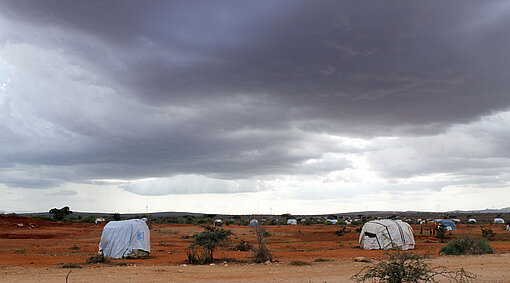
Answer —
487 210
353 214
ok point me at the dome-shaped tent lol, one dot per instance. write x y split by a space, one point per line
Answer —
386 234
499 220
254 222
123 238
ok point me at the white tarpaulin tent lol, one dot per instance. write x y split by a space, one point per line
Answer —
386 234
120 238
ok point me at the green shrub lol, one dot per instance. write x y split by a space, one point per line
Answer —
210 239
198 256
467 245
408 267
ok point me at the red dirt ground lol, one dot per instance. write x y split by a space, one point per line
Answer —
43 244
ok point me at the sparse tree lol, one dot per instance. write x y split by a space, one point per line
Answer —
60 214
210 239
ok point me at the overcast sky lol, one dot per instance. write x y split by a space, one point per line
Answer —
254 106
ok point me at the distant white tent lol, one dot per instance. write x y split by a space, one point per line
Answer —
471 220
332 221
386 234
499 220
122 238
218 222
100 220
254 222
292 222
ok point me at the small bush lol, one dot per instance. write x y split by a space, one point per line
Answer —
408 267
74 247
71 265
340 232
198 256
243 246
320 259
210 239
488 233
299 263
467 245
98 258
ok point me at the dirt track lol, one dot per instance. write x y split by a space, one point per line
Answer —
36 251
489 268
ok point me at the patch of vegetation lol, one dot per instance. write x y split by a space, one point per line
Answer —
88 219
321 259
340 232
74 247
299 263
19 251
43 217
409 267
467 245
98 258
71 265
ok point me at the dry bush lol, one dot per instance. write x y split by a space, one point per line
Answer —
409 267
262 253
98 258
243 246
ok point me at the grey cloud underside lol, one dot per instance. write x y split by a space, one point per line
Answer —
236 90
398 66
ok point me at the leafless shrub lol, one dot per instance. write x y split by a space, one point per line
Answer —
261 253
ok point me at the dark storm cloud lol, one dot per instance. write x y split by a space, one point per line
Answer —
234 89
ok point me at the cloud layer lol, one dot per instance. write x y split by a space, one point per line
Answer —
225 97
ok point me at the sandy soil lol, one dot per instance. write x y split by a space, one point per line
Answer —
37 250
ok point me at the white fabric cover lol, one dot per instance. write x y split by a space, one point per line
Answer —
119 238
499 220
386 234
